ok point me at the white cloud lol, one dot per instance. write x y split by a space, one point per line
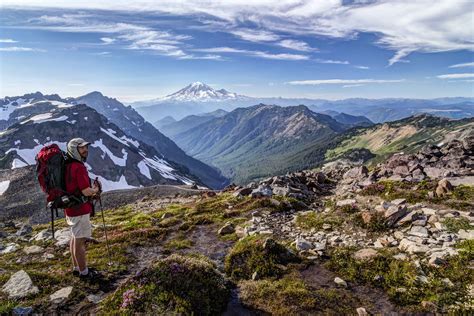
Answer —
456 76
361 67
280 56
343 81
353 85
260 54
134 37
330 61
7 40
255 35
21 49
107 40
462 65
400 25
296 45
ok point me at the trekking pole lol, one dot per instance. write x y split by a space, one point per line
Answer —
103 225
105 232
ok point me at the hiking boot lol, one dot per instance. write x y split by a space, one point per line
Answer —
92 276
75 273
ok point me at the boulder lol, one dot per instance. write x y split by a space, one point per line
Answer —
60 296
340 282
42 235
33 250
365 254
361 311
394 213
346 202
19 285
444 187
22 311
262 191
243 192
419 231
302 244
228 228
24 230
356 173
62 237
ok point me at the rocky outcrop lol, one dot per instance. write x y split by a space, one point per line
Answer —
454 159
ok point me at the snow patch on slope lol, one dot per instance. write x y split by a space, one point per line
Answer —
124 140
122 162
4 186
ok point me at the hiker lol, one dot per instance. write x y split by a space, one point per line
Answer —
78 183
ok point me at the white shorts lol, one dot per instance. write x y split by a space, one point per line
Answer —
81 226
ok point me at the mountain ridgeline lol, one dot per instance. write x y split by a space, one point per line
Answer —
249 143
17 109
198 98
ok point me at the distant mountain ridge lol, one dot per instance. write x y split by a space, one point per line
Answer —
199 98
254 142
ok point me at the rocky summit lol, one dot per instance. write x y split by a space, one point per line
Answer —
396 237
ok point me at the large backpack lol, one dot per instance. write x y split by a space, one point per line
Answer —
51 164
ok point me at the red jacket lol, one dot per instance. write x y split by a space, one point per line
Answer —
77 179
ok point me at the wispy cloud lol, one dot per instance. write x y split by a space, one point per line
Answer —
21 49
331 61
280 56
296 45
421 26
107 40
462 65
7 40
130 36
353 85
456 76
343 81
254 53
255 35
361 67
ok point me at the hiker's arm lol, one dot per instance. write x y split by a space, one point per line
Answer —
83 182
90 191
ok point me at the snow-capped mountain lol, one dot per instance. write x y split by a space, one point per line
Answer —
16 109
195 98
195 92
120 161
198 91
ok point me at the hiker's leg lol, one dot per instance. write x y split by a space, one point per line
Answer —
80 253
73 252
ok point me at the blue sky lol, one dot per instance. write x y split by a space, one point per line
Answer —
291 48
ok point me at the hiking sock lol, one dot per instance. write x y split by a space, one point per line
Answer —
75 269
85 272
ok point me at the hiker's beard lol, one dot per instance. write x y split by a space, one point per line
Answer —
84 156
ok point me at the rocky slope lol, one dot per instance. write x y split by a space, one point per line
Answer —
308 242
118 160
16 109
407 135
